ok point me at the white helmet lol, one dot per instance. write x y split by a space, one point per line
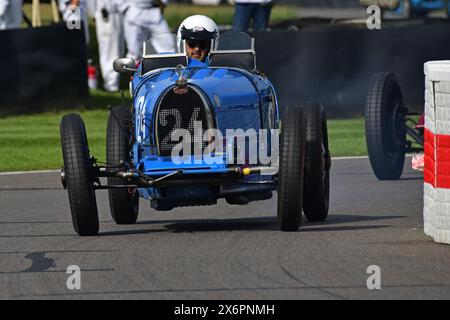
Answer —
197 27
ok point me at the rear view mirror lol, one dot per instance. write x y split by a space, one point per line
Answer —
125 66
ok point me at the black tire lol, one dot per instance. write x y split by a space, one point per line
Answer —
290 175
316 192
385 127
78 172
124 203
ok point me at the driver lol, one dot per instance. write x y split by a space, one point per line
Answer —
197 35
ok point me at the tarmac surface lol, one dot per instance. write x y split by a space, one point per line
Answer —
224 252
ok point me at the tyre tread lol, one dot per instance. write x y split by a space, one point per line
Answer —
79 176
290 192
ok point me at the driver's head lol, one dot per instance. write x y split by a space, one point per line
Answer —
197 35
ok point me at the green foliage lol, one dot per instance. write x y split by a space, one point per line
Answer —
347 137
32 142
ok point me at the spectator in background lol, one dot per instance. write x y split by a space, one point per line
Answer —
111 42
67 8
142 20
10 14
256 10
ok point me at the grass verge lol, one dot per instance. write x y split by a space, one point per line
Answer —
32 142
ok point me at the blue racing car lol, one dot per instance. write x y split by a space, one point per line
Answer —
411 8
198 132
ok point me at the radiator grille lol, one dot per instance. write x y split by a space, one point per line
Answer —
182 111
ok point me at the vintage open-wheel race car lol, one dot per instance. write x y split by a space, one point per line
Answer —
189 140
392 130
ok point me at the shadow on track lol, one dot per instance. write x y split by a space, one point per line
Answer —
352 218
242 224
411 178
254 224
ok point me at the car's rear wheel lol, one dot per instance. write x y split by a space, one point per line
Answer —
78 175
290 175
316 193
385 127
124 203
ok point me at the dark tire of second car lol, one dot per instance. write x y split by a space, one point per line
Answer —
385 127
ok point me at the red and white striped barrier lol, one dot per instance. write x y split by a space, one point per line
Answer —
437 151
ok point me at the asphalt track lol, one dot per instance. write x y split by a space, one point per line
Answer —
224 252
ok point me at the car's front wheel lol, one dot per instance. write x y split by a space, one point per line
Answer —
290 175
78 175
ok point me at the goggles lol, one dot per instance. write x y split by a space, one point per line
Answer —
201 44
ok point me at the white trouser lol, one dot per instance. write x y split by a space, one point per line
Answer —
76 16
10 14
111 46
140 25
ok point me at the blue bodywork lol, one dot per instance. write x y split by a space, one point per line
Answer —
239 100
423 6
